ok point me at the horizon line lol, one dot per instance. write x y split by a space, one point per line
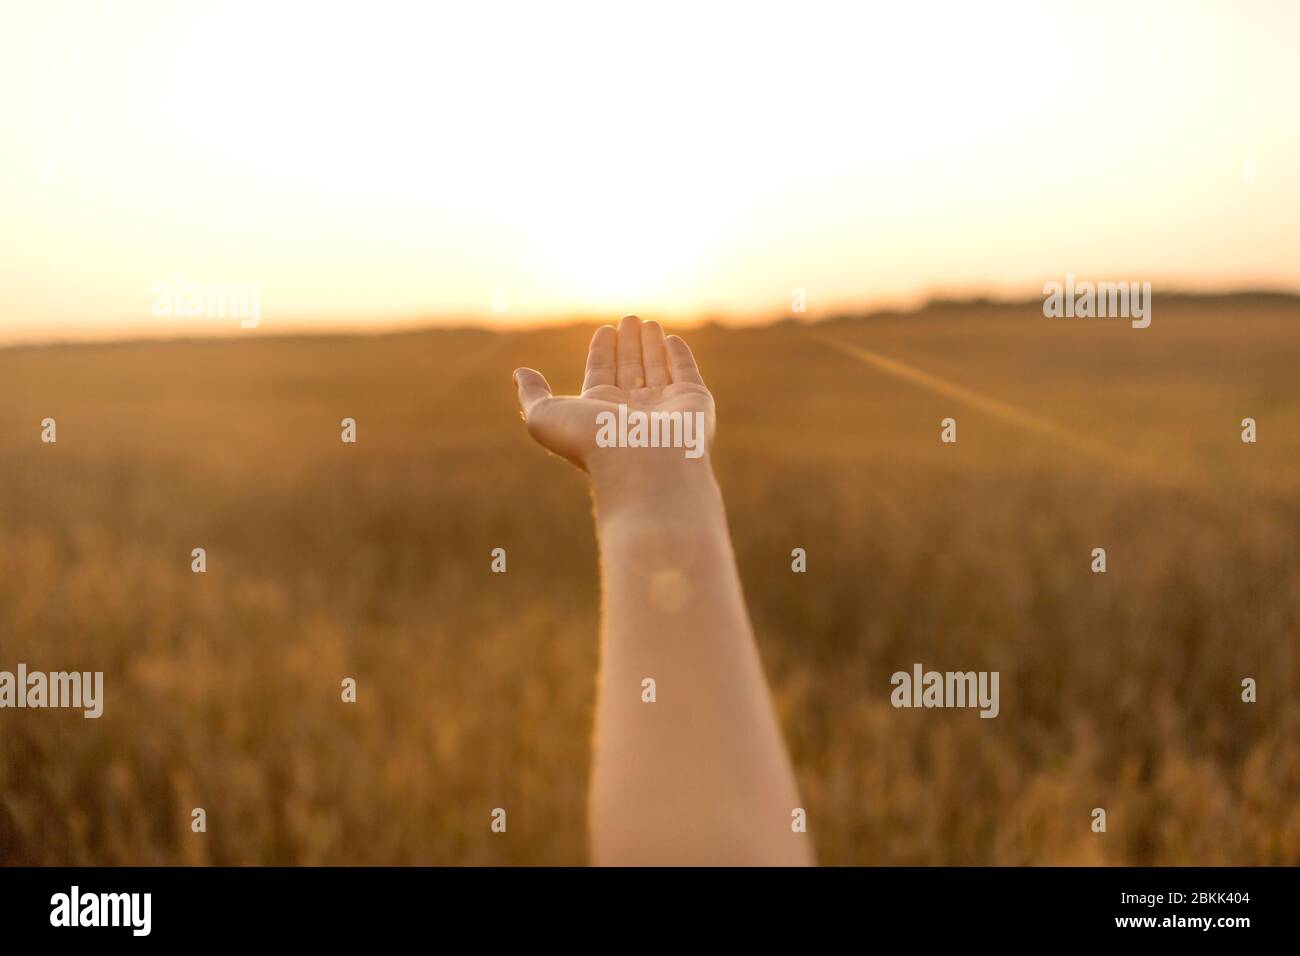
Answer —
424 323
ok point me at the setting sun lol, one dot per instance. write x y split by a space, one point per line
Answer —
418 163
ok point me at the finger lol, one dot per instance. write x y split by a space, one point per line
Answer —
600 358
532 389
681 362
630 373
654 356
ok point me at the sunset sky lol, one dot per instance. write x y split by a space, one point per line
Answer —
375 164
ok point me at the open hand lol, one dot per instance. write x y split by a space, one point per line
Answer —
634 365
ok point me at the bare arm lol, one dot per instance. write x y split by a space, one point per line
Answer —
699 775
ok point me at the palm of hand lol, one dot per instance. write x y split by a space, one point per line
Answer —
634 366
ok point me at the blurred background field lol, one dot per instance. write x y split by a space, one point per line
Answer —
328 560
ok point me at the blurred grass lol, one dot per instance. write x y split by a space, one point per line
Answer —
328 560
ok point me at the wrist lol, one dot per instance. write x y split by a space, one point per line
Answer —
652 484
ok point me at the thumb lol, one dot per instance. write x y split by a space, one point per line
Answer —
532 389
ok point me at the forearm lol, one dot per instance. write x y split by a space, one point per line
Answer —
700 775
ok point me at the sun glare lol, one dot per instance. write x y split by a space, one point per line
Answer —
412 161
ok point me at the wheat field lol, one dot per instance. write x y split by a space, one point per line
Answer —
475 690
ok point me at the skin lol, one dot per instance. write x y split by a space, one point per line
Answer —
701 775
